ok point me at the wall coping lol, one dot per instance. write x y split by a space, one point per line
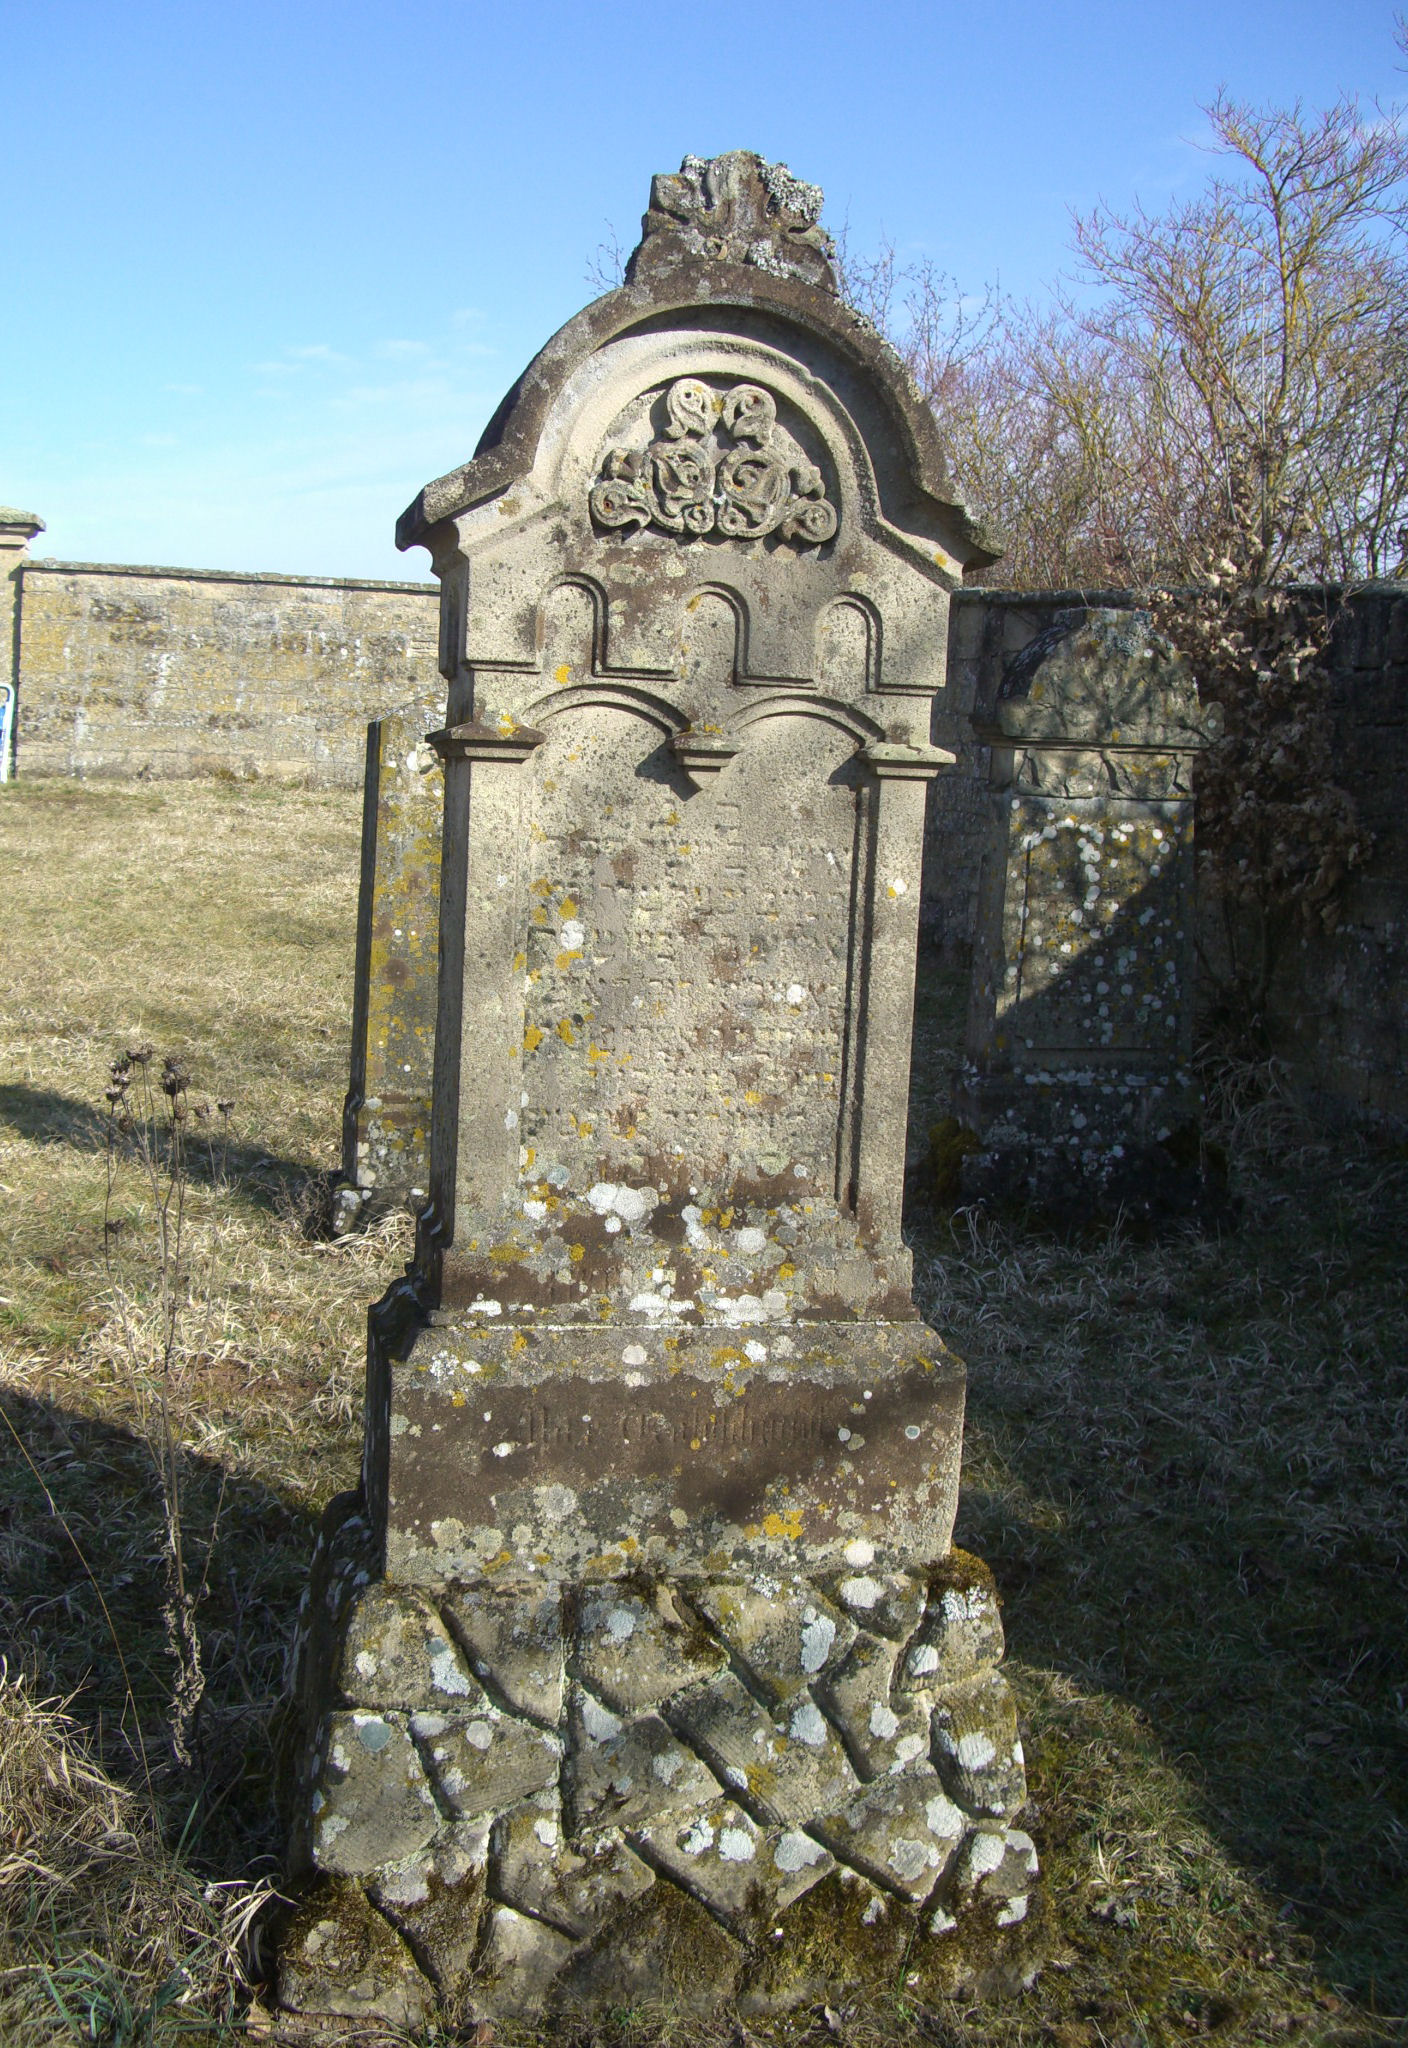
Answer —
46 565
992 594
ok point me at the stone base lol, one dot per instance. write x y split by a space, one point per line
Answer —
1081 1146
542 1796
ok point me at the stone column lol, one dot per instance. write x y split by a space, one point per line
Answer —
1078 1082
642 1665
17 530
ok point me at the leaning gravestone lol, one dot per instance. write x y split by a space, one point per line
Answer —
386 1116
642 1665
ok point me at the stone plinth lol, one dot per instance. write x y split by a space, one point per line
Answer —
1078 1080
646 1628
17 530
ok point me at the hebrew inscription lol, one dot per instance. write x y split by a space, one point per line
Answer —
686 957
721 464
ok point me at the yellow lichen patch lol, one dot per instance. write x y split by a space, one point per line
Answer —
786 1272
564 960
576 1253
458 1400
567 907
520 961
596 1052
532 1038
542 887
565 1031
788 1525
520 1342
562 674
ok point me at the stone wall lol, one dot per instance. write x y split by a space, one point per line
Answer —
1339 1000
159 672
127 671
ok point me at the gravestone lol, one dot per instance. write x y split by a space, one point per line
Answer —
386 1116
1078 1080
642 1665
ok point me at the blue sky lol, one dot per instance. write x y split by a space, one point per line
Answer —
269 267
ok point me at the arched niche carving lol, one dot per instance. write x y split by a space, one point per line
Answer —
847 646
711 639
569 632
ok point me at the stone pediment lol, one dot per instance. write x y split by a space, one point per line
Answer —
748 263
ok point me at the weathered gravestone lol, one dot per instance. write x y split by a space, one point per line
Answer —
386 1117
642 1665
1079 1080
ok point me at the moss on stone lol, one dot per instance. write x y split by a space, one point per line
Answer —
950 1143
340 1957
843 1941
661 1949
978 1957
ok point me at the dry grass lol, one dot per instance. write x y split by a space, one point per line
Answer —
115 1935
1184 1462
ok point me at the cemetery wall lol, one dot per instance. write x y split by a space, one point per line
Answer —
1338 1011
1339 999
129 671
126 671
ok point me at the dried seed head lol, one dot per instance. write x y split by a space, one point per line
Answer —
225 1107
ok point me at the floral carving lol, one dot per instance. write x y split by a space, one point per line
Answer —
752 481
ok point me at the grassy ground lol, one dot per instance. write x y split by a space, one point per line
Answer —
1184 1462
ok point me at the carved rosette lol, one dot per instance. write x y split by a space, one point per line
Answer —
722 465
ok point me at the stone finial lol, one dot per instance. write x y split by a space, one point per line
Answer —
17 525
736 208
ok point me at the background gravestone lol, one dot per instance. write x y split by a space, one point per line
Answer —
642 1665
1078 1081
386 1117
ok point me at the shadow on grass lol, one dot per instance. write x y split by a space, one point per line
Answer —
44 1116
1185 1466
82 1588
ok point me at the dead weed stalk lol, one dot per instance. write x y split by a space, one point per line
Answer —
149 1134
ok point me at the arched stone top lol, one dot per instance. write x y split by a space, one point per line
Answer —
720 424
721 298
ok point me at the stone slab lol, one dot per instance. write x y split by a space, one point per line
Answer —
386 1117
538 1452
